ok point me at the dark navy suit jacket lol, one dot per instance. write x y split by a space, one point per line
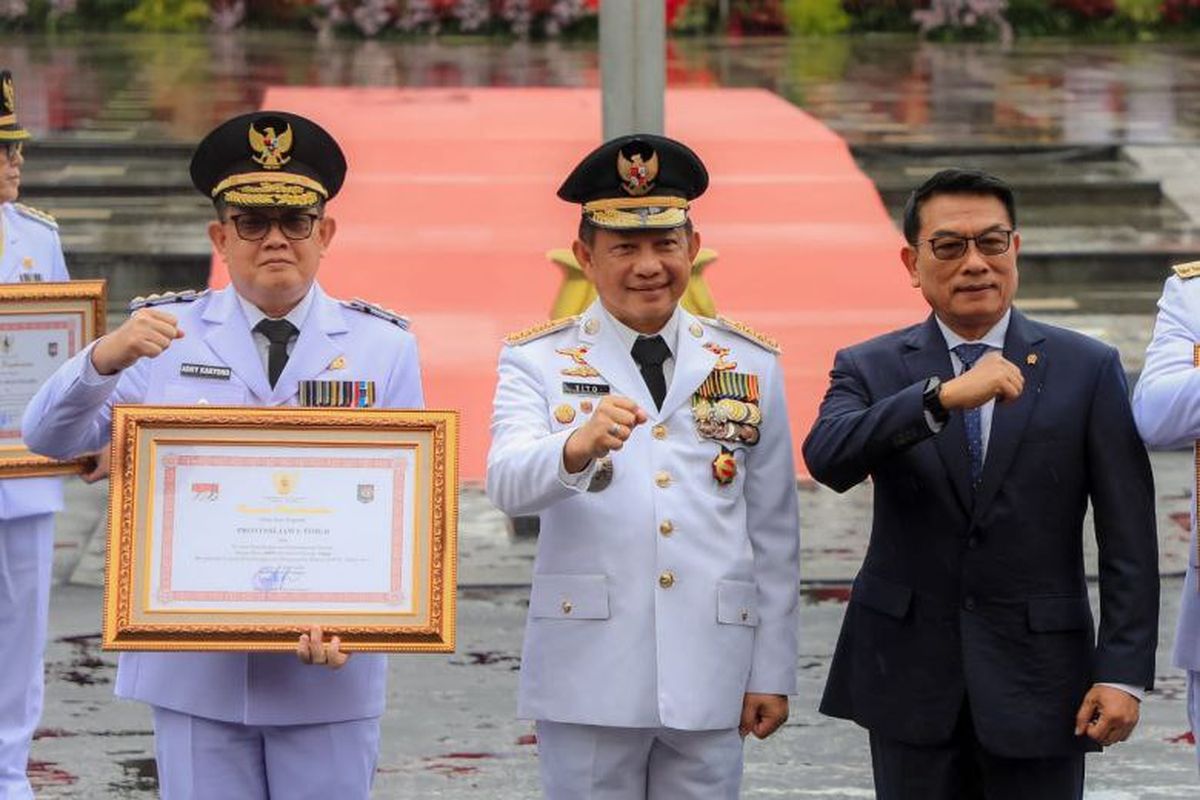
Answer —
981 596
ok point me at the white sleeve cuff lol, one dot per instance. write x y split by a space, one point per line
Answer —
934 425
88 375
1138 694
576 481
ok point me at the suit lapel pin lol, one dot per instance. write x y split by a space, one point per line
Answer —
1031 359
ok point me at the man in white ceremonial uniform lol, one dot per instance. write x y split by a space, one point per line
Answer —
655 447
1166 407
29 251
250 726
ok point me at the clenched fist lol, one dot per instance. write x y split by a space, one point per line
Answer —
144 335
992 377
606 430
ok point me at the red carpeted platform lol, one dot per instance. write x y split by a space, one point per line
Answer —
449 208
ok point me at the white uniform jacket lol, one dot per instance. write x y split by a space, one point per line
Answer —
661 599
72 414
1166 407
30 252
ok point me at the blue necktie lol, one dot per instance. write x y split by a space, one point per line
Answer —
968 354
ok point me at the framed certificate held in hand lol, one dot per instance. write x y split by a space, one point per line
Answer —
239 528
41 326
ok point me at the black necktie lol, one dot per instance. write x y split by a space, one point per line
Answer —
278 332
968 354
650 352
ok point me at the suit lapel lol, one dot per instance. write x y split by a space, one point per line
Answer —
1009 419
606 353
693 364
314 349
230 338
926 355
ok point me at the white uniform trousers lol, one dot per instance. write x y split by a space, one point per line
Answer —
207 759
26 556
597 762
1193 704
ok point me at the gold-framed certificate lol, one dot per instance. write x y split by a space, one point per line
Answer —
41 326
239 528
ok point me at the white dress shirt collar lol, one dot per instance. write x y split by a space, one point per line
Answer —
669 332
296 316
994 338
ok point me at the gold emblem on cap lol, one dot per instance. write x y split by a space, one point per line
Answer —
10 96
637 176
272 148
1031 359
564 414
338 363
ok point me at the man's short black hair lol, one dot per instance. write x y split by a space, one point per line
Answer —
587 231
955 181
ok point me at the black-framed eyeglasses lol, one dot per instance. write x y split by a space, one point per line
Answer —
255 227
989 243
12 149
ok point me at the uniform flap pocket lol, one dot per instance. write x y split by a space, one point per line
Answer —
737 603
1049 614
203 392
569 597
881 595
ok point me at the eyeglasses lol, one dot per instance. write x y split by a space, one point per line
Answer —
12 149
991 243
255 227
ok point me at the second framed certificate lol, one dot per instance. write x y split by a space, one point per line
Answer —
41 326
238 528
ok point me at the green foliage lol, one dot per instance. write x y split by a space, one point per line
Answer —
815 17
167 15
1142 13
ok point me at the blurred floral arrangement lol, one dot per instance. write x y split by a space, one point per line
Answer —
946 19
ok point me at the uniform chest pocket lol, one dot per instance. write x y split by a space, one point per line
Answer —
198 391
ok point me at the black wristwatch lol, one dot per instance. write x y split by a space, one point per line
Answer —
931 398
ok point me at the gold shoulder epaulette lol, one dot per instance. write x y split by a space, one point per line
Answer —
358 304
187 296
36 215
540 330
1188 270
746 332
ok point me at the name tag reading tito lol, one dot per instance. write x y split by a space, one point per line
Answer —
210 371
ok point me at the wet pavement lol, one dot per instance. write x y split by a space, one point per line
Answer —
450 730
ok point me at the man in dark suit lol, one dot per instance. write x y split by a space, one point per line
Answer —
967 649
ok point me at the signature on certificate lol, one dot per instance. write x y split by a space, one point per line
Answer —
271 579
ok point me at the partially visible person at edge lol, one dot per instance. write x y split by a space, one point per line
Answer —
1166 405
655 447
967 649
29 251
250 726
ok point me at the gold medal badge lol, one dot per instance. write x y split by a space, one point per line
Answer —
271 148
582 368
565 414
724 467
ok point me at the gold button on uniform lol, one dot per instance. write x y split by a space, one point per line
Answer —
667 579
566 606
662 479
666 528
659 431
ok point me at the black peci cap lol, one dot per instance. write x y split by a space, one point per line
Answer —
10 131
269 158
635 182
